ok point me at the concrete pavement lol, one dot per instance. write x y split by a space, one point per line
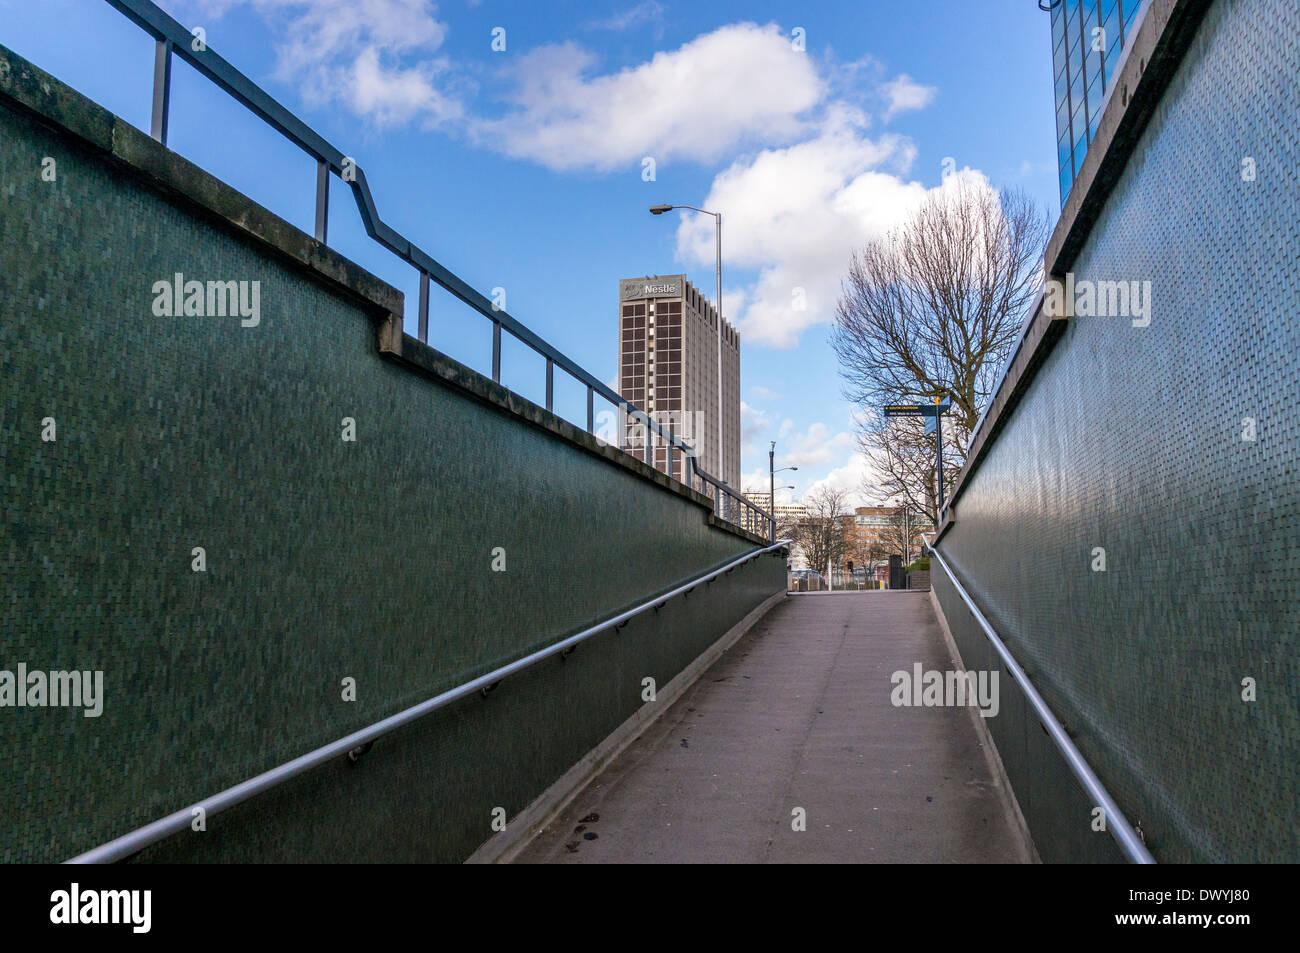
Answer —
797 715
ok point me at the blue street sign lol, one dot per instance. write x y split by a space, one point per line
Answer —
916 410
929 424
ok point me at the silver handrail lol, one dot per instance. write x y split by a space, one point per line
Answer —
171 38
177 821
749 515
1130 843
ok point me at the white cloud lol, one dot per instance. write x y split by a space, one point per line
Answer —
376 57
646 12
754 481
740 84
392 96
752 422
794 215
851 477
816 446
904 94
764 393
835 193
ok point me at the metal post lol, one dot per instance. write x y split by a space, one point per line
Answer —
162 89
322 199
771 483
550 384
672 470
424 307
907 534
591 410
649 441
938 439
496 351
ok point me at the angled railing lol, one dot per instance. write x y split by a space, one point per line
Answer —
174 823
172 38
1129 841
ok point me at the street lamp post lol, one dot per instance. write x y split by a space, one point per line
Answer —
771 484
659 210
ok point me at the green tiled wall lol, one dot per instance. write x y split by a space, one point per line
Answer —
1130 439
325 559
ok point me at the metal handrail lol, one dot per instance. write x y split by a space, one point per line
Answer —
755 519
171 37
178 821
1129 841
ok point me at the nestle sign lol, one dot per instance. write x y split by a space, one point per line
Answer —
650 288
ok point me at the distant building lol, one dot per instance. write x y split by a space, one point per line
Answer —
1088 42
873 533
787 515
668 367
785 512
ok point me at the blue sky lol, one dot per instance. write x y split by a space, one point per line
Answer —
525 168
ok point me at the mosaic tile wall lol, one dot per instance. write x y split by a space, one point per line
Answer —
325 559
1136 440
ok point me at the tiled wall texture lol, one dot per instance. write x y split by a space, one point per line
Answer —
325 559
1131 440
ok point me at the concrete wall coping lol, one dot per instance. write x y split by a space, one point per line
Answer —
426 360
65 110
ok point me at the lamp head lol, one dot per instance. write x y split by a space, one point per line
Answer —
660 209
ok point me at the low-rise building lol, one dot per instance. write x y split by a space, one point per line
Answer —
873 533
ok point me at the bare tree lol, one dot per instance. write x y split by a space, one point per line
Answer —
903 534
820 534
785 520
903 456
933 310
787 526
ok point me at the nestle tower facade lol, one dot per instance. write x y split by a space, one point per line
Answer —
668 367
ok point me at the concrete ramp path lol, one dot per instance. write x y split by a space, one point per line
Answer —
798 715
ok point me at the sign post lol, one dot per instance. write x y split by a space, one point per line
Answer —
933 424
938 447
